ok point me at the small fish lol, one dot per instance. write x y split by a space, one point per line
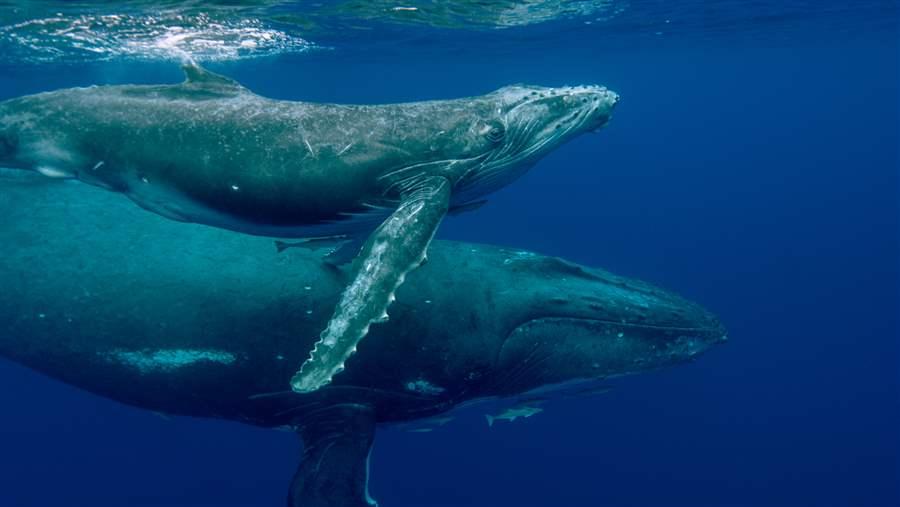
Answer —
584 392
511 414
163 416
430 424
310 243
535 400
438 421
589 391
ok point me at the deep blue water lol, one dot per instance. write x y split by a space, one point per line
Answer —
752 167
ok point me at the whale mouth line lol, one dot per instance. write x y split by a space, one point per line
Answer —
715 332
684 343
706 330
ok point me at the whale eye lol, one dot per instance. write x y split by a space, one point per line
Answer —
495 133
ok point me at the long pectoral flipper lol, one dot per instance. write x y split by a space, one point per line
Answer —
397 247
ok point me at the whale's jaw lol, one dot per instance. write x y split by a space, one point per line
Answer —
589 324
557 350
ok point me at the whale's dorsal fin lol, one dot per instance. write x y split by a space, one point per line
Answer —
198 77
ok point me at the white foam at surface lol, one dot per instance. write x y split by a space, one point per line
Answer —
167 35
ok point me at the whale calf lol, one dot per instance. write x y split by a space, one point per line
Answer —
210 151
182 319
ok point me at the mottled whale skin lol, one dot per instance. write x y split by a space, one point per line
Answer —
188 320
210 151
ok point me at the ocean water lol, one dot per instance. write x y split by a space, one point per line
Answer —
751 166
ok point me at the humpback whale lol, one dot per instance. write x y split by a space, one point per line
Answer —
212 152
188 320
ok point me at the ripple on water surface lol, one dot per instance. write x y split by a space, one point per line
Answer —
53 31
36 31
164 35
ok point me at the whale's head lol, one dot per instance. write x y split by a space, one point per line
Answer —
523 123
582 324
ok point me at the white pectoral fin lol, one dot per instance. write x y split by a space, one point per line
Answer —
395 248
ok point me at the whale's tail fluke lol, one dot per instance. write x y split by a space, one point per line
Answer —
337 442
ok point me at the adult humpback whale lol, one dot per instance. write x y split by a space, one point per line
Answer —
210 151
196 321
